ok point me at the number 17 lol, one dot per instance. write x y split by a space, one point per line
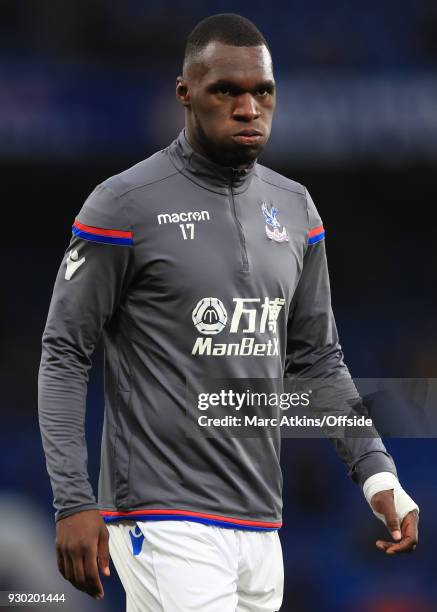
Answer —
189 226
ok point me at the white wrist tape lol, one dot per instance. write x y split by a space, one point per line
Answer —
383 481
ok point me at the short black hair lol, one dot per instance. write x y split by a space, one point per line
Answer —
227 28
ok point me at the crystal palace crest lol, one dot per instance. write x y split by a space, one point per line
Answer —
273 227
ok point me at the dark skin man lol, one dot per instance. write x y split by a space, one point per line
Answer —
229 97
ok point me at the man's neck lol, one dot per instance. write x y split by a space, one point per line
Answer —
197 146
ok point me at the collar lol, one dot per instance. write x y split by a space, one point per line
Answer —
205 172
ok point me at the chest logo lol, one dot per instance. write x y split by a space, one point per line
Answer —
210 316
273 227
249 320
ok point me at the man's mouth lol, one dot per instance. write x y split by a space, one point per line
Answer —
248 137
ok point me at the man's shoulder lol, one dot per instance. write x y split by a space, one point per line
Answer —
149 171
267 175
107 205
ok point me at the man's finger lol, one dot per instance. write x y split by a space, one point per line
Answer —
392 520
68 566
60 561
409 539
94 588
383 545
103 552
405 545
79 572
410 524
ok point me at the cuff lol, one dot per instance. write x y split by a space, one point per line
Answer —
60 514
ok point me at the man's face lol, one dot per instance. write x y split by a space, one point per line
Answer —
229 94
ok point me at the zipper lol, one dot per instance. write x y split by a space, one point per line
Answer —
244 258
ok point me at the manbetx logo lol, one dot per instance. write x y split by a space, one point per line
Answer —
258 314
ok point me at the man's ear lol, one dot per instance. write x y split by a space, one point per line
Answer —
182 91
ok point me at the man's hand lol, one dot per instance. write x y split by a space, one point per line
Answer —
82 550
405 535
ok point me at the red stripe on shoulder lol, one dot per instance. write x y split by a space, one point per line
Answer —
99 231
315 231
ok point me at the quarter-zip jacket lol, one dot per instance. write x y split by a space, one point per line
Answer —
189 270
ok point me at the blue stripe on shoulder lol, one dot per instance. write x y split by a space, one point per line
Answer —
316 238
104 239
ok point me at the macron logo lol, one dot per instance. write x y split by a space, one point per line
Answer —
73 263
183 217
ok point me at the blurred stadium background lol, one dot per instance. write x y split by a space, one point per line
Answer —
87 89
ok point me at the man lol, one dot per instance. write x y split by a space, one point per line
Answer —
195 244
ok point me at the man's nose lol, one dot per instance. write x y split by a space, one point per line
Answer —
245 108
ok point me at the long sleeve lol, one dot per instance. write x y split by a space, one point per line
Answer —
313 351
90 283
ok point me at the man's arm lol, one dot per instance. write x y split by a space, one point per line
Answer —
91 281
314 352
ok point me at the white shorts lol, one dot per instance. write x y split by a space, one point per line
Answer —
181 566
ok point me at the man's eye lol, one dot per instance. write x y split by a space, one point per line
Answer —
262 92
224 91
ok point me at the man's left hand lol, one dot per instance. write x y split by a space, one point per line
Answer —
405 536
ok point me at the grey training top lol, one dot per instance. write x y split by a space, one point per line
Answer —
188 269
